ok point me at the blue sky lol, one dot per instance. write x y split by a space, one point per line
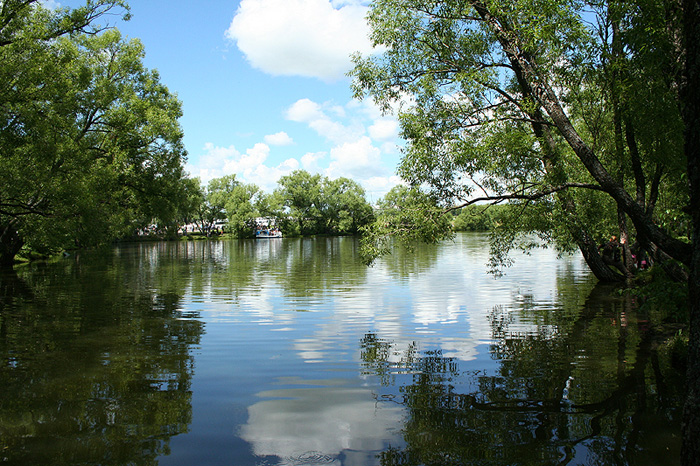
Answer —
264 90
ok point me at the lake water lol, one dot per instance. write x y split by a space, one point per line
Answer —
290 352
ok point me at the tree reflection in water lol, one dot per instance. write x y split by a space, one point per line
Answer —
95 369
589 389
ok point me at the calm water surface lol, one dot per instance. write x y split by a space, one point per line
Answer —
290 352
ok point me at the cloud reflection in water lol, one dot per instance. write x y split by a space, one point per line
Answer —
317 424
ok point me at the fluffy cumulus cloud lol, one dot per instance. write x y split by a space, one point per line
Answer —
355 141
279 139
384 129
249 167
357 160
305 111
254 157
310 161
212 161
328 121
310 38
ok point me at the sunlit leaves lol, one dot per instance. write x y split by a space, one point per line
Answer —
319 205
526 100
405 215
90 144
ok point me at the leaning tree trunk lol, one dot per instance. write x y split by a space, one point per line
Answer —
550 159
690 102
589 250
547 98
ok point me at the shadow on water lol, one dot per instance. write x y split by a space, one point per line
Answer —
95 364
594 389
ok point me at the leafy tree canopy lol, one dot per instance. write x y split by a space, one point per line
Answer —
566 108
317 205
90 144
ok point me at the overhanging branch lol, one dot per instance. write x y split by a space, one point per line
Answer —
523 196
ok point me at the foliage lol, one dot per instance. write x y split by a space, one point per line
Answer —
303 204
405 214
660 293
242 211
479 217
534 102
677 348
90 144
318 205
300 194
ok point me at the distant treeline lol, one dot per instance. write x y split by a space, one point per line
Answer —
302 204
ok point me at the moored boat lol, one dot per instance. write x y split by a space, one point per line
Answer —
274 233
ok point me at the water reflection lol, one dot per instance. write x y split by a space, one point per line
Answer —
311 358
311 424
584 388
92 378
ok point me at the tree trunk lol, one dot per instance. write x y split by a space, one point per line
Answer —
589 250
10 244
690 104
547 98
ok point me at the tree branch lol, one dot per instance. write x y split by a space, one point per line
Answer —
496 199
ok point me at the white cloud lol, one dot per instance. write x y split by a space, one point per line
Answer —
358 143
305 111
315 116
266 177
311 38
310 161
337 132
279 139
250 160
250 167
377 186
384 129
355 160
215 157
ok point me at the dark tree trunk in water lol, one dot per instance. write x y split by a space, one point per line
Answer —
589 250
690 104
10 244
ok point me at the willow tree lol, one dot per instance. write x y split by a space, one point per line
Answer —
520 101
90 144
579 113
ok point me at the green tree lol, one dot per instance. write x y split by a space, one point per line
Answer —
226 198
479 218
270 205
690 109
343 206
489 82
90 145
319 205
192 198
583 113
23 22
301 192
241 208
213 207
406 214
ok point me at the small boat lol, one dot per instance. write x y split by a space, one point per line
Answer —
275 233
